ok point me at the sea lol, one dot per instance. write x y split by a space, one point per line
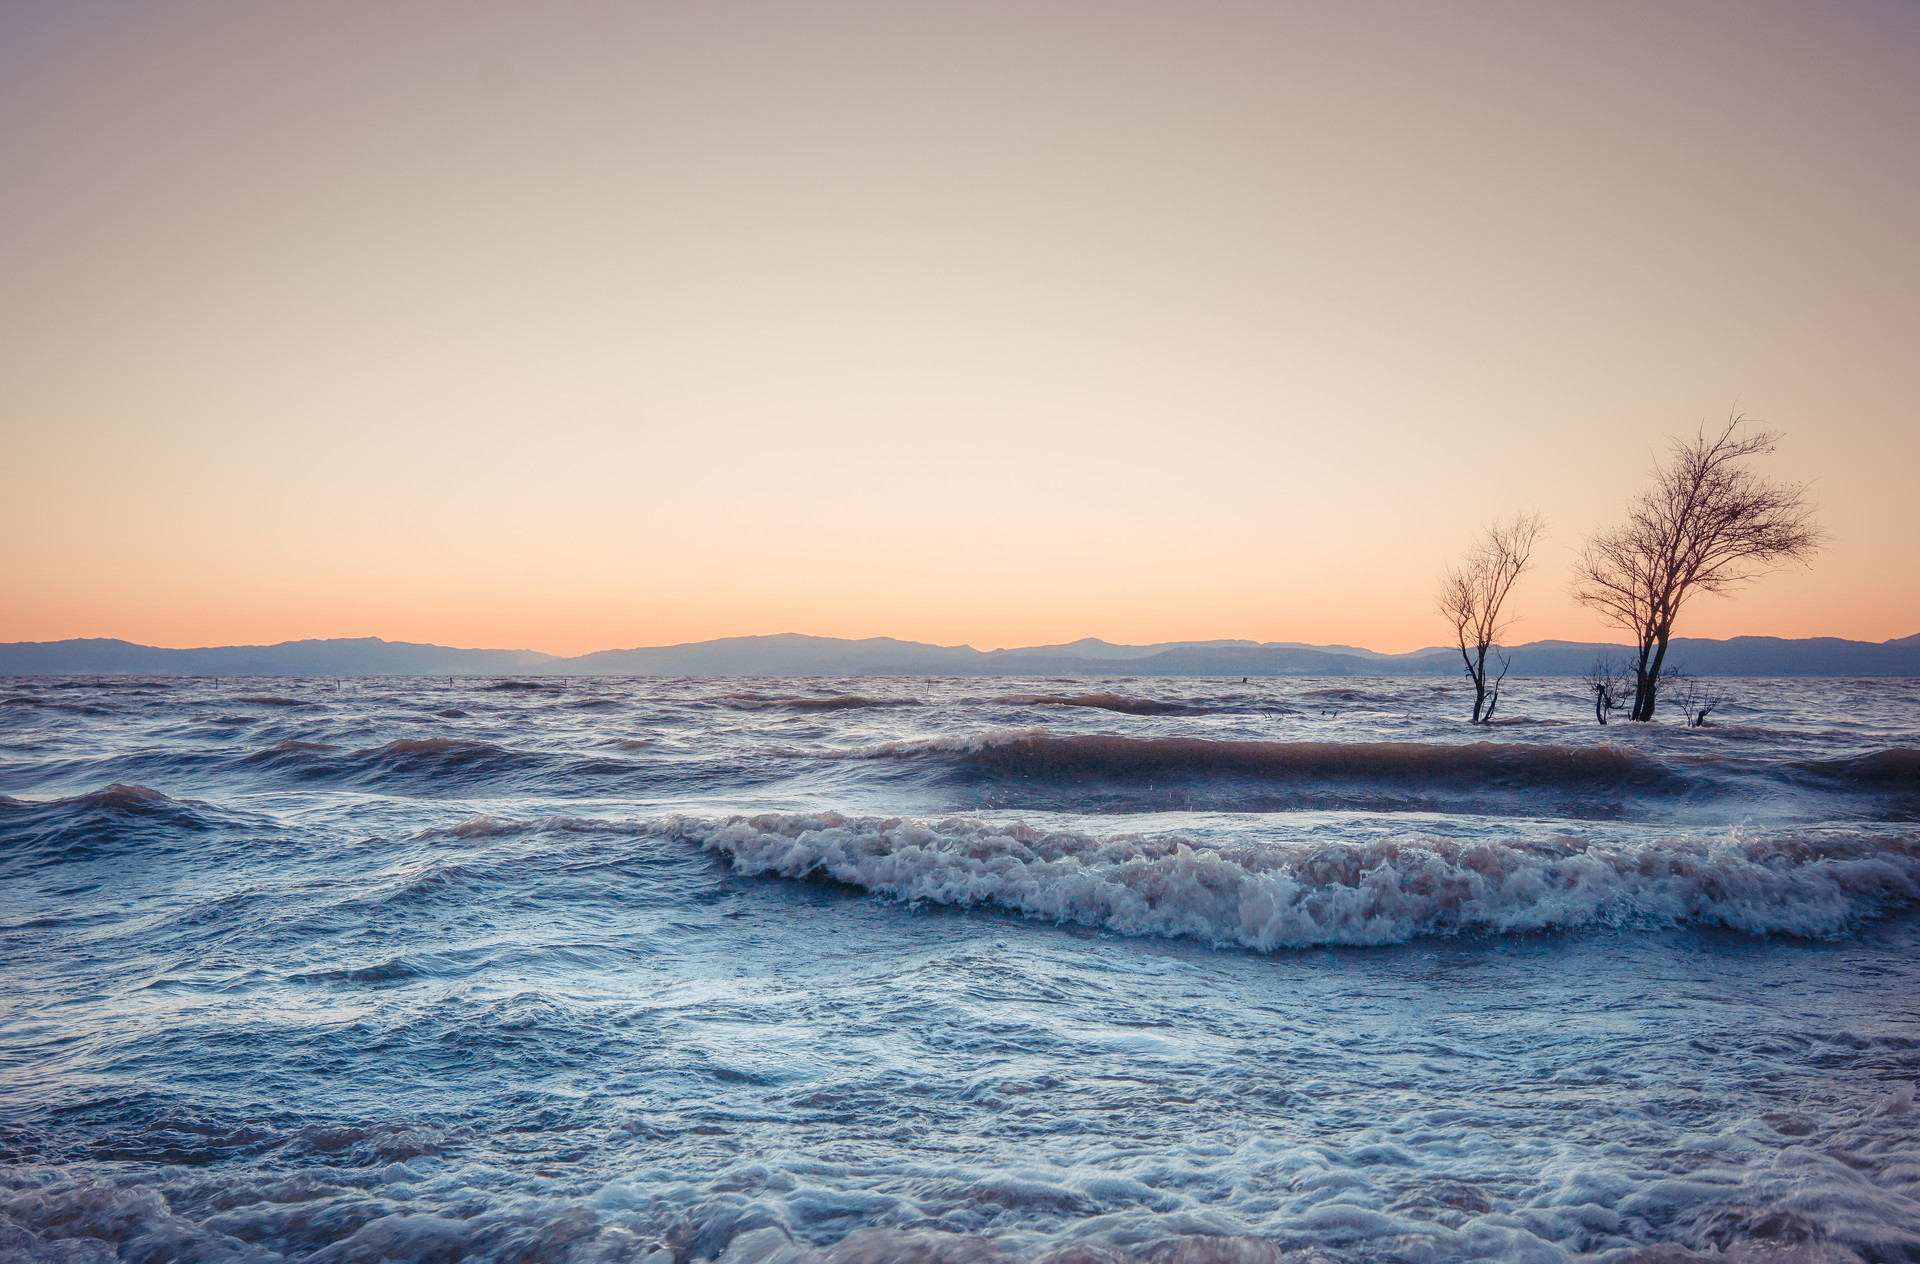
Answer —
1068 971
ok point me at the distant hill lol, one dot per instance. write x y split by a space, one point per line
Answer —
794 655
1740 656
786 655
359 656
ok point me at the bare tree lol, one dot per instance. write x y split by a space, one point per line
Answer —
1472 594
1696 697
1609 682
1707 524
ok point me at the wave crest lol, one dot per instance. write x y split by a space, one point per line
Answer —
1267 896
110 821
1480 763
115 797
1895 769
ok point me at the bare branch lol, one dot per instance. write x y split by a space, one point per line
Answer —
1708 524
1611 684
1473 596
1697 698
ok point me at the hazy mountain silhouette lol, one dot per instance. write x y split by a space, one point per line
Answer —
357 656
791 654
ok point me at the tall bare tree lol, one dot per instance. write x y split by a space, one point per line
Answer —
1707 524
1471 597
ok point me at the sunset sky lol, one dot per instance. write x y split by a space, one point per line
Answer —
570 326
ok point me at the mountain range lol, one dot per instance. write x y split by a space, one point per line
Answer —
791 654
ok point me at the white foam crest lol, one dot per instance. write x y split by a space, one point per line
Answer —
1267 896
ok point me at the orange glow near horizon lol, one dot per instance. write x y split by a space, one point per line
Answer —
999 324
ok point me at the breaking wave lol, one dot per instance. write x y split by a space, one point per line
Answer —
1269 896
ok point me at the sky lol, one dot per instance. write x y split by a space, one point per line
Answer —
575 326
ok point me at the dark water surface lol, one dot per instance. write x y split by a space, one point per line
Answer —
954 970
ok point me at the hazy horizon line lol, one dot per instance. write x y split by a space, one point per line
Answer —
1000 649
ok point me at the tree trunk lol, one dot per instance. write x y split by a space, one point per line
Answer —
1640 677
1647 696
1477 673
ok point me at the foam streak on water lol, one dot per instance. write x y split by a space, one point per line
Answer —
868 970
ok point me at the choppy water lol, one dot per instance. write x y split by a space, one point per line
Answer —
954 970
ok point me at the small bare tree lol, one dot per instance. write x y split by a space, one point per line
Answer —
1696 697
1472 594
1708 524
1610 683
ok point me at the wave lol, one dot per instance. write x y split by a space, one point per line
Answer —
1036 767
329 1207
115 797
747 700
1896 769
1103 702
1103 757
524 686
1271 896
406 759
912 747
71 708
293 745
104 822
438 756
484 826
270 700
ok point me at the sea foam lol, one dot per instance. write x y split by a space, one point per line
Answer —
1268 896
